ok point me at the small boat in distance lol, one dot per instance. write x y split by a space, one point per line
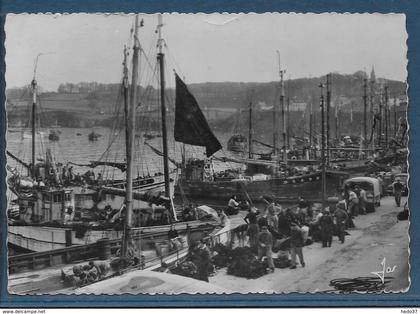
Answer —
27 135
237 143
53 136
93 136
151 135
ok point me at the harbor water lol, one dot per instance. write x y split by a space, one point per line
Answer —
74 146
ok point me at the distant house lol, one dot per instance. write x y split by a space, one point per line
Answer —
297 106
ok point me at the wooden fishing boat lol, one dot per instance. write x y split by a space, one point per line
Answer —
53 203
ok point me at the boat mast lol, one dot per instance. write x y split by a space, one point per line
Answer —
33 84
323 176
372 113
310 126
250 131
337 130
161 61
380 119
386 115
328 116
275 124
395 117
126 100
365 111
288 113
283 115
130 141
288 124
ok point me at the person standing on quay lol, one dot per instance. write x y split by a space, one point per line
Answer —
353 203
362 201
203 261
296 244
340 219
398 188
327 225
265 244
252 220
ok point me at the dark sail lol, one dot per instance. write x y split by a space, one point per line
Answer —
191 126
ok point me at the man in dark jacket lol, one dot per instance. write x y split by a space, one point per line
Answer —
398 188
296 244
252 220
340 220
265 244
327 226
284 223
202 261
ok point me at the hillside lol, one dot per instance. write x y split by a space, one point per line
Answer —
87 104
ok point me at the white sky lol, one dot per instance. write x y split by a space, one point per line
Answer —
206 48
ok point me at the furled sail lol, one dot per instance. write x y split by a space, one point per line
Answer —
191 126
159 153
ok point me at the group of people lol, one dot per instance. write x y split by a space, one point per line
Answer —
92 272
277 224
356 200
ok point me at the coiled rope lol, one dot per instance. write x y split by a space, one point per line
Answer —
360 284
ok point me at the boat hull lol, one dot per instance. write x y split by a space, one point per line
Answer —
307 186
42 238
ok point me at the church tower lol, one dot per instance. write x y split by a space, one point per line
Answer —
372 75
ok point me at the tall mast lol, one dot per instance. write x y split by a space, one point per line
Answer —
288 122
310 126
288 114
380 119
328 116
365 111
126 101
386 115
250 152
283 114
161 61
275 130
275 124
372 114
33 84
323 176
130 141
395 117
337 130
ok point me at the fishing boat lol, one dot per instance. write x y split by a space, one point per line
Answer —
93 136
237 143
27 135
54 136
58 209
151 135
200 180
274 178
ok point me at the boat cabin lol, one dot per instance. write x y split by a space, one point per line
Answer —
47 205
198 170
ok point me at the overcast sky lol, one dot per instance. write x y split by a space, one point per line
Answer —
206 48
